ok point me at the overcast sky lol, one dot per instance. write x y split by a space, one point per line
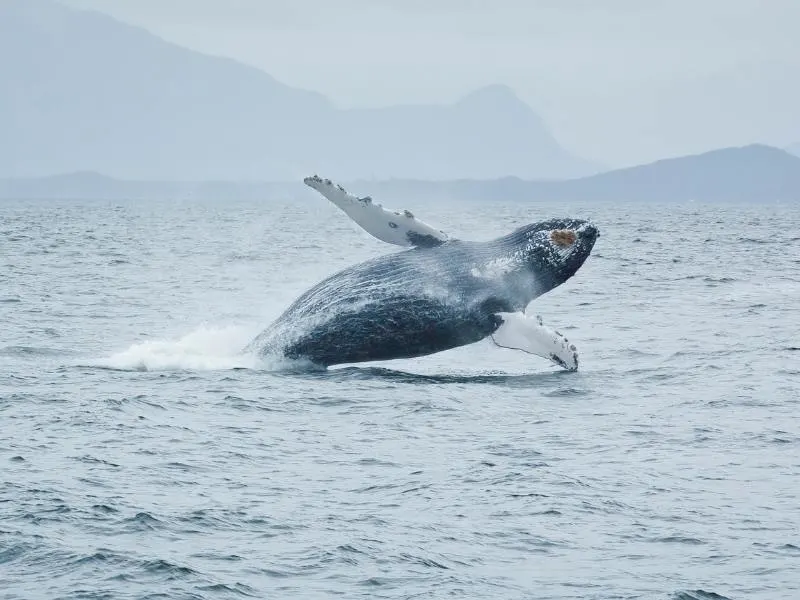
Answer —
619 81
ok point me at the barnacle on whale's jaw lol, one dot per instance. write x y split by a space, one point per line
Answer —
563 237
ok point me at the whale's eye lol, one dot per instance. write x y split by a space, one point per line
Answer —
563 237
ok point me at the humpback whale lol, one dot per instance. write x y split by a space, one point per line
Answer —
438 294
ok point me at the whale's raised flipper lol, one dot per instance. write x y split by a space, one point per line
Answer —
519 332
394 227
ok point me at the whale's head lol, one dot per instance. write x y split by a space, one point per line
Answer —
555 249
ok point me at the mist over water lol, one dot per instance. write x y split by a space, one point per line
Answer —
144 453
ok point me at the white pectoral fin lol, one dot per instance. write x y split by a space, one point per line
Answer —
519 332
394 227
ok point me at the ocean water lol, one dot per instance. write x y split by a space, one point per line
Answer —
142 455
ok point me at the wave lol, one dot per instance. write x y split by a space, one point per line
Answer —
29 351
698 595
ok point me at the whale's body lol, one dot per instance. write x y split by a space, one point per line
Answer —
427 299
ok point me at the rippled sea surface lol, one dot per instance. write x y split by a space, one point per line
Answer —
142 455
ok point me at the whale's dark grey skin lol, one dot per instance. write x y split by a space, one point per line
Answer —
427 299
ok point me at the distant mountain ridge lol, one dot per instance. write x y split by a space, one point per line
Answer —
750 173
80 91
754 173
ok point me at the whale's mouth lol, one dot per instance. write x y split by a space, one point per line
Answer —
563 238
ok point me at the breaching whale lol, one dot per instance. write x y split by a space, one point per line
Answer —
439 294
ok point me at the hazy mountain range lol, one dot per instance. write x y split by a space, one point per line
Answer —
753 173
121 113
82 91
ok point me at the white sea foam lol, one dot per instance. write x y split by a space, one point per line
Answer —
207 348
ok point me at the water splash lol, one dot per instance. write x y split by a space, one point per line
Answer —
207 348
